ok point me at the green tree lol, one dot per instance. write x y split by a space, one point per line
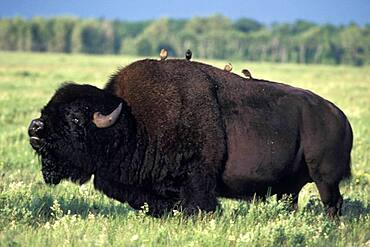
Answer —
208 37
352 41
40 34
247 25
143 47
76 38
156 36
61 38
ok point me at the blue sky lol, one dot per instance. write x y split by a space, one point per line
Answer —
266 11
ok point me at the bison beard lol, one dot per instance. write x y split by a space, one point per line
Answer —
186 132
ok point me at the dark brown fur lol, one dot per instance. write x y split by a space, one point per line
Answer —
252 135
189 132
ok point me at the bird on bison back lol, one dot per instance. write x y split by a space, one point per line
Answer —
179 134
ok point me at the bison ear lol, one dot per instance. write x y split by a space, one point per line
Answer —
105 121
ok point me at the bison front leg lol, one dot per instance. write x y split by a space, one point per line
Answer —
157 206
199 193
134 196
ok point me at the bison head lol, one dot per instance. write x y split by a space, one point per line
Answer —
75 130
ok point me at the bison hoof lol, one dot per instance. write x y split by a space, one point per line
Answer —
192 209
333 212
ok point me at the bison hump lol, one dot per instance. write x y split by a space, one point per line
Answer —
176 103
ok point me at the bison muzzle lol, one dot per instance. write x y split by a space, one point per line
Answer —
178 134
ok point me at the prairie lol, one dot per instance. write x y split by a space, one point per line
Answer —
34 214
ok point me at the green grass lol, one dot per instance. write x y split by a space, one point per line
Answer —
33 214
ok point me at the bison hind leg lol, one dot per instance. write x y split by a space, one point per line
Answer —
327 180
331 198
292 185
329 164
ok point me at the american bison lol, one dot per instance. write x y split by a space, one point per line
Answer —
180 134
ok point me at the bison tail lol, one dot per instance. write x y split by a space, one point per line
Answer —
348 142
348 173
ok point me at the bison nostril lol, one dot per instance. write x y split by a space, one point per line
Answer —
36 126
35 142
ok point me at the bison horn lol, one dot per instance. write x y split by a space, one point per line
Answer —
104 121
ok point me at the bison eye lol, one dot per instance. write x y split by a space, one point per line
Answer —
75 120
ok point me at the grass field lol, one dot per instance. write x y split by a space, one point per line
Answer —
33 214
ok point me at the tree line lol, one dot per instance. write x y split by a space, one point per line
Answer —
208 37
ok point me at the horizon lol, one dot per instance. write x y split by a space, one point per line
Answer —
286 11
181 18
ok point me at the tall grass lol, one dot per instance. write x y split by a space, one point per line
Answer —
33 214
